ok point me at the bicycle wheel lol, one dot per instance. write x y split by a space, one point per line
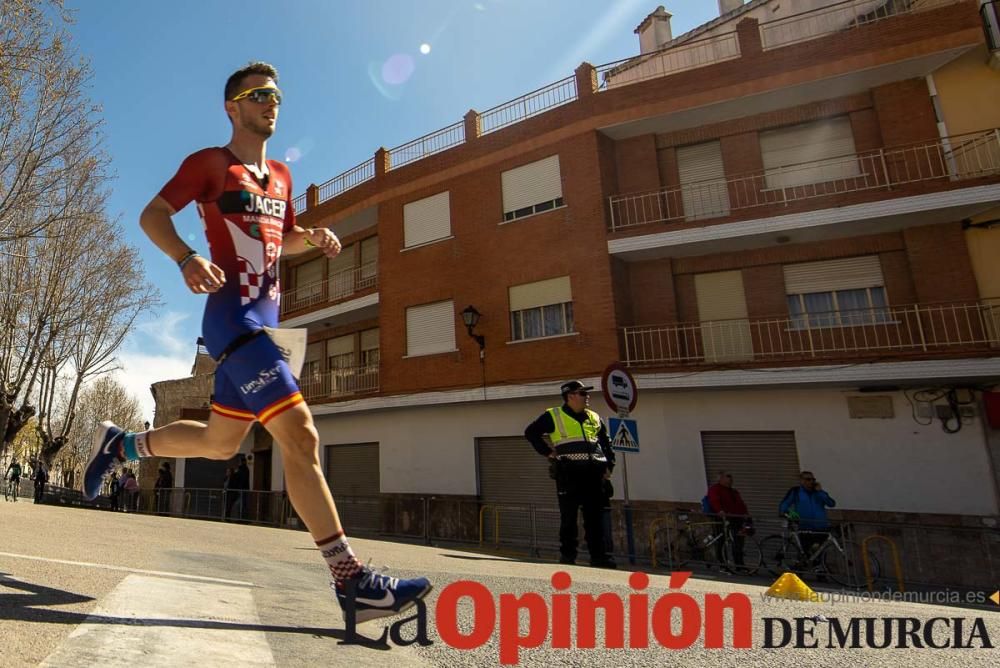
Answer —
750 560
845 567
686 549
779 556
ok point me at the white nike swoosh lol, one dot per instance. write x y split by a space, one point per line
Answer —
107 448
386 601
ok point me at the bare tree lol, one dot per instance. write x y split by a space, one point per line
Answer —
49 132
102 292
103 399
72 288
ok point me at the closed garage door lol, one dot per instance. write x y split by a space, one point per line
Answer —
764 465
352 471
513 476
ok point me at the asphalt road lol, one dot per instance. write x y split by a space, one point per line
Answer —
83 588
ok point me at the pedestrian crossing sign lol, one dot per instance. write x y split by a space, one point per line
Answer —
625 434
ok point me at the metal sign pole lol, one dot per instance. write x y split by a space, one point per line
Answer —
629 535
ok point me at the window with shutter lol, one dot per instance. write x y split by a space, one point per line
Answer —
341 273
814 152
836 293
340 361
540 309
427 220
722 310
309 279
430 329
532 188
704 191
369 263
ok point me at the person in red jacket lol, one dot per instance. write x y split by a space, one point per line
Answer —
727 503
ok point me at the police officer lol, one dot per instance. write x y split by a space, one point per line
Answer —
575 439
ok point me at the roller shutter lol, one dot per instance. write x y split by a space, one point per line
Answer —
703 181
542 293
853 273
814 152
309 278
722 310
531 184
352 472
513 476
430 328
764 465
427 220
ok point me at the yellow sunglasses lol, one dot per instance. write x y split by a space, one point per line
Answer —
260 95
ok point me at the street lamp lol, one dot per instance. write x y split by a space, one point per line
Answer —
470 316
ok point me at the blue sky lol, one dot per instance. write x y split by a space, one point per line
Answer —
159 69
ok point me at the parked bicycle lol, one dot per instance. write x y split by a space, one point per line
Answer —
839 560
700 543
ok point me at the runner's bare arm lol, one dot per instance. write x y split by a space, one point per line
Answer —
200 275
298 240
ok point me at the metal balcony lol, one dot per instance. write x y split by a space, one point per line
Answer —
949 159
336 287
889 331
340 383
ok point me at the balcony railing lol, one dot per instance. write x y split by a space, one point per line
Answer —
526 106
335 287
687 56
347 180
340 382
900 330
443 139
690 55
839 17
953 158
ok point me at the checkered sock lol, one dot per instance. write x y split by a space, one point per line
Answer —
339 556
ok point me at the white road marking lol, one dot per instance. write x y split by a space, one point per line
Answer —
126 569
161 622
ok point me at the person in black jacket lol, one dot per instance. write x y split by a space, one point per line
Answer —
239 483
164 483
575 440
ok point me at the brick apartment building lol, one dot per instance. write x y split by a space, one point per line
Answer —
780 221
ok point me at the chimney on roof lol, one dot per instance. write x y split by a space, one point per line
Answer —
654 31
726 6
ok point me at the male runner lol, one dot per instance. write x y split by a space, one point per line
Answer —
245 203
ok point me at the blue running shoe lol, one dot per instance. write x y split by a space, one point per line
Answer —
105 453
377 595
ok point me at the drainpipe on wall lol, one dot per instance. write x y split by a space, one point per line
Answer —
942 127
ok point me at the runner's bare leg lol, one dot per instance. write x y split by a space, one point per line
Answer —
219 439
296 436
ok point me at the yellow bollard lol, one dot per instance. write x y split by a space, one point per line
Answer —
895 561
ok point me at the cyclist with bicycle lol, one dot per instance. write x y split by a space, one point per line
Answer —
13 477
807 504
727 504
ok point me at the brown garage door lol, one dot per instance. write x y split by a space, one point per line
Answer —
764 465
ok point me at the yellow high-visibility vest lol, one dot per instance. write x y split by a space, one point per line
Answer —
572 439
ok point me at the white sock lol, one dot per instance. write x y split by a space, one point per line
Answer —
339 556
